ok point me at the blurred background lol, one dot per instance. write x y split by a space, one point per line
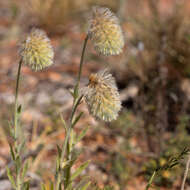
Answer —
152 73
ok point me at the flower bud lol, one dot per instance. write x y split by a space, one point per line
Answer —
102 96
105 32
36 51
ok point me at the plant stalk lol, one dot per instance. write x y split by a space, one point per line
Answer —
66 148
16 101
16 127
18 181
151 180
186 173
82 60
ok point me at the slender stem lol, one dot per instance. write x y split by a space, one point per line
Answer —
82 60
67 172
70 127
16 129
151 180
18 181
74 109
62 158
16 101
76 102
186 173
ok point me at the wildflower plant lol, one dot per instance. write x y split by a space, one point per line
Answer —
102 98
172 162
101 95
35 52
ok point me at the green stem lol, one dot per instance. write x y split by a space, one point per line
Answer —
16 129
76 102
18 181
186 173
58 184
16 101
82 60
151 180
66 146
67 174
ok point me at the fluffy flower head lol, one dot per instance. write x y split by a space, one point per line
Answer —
102 96
36 51
105 32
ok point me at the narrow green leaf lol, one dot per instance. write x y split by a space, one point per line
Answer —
65 164
11 128
63 122
69 187
21 146
74 155
64 147
76 103
60 186
83 182
57 164
24 170
19 109
77 119
75 92
71 140
12 152
81 135
26 185
51 185
18 164
59 151
79 170
85 186
71 91
12 132
174 164
11 178
43 187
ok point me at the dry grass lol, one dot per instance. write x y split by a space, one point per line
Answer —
54 14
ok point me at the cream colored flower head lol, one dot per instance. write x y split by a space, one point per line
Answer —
36 51
105 31
102 96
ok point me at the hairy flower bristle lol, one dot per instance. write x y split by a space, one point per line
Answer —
36 51
102 96
105 31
